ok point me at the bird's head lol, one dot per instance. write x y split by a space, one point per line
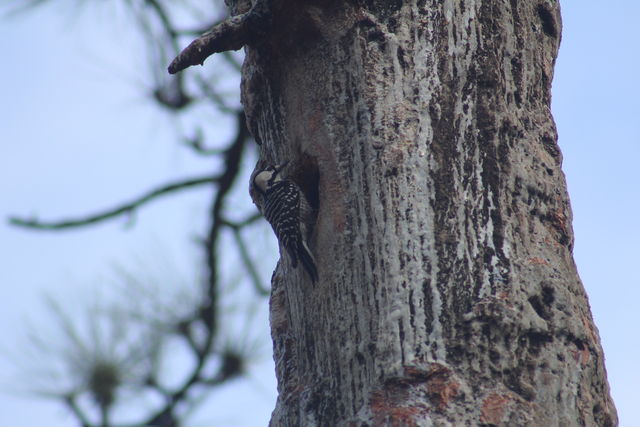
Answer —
268 176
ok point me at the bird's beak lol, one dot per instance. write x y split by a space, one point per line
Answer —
281 166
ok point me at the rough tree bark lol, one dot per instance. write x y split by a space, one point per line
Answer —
422 133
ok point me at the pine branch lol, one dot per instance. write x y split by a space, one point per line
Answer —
249 264
244 252
125 208
70 400
209 308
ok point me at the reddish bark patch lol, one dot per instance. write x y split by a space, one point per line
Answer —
553 243
558 221
581 355
493 408
386 413
441 389
538 261
395 404
504 295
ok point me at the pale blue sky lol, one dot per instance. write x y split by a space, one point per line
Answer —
77 135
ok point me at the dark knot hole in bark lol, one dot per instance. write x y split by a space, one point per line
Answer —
308 178
548 21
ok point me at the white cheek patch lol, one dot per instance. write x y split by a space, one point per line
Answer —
261 180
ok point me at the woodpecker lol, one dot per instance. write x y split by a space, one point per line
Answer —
288 211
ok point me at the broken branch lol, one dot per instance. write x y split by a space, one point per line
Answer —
231 34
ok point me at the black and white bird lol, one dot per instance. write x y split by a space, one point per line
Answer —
288 211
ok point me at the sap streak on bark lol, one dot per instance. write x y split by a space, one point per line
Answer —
448 293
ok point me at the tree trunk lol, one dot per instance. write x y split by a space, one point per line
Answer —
421 132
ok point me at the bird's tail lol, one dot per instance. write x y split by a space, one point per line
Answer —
308 262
